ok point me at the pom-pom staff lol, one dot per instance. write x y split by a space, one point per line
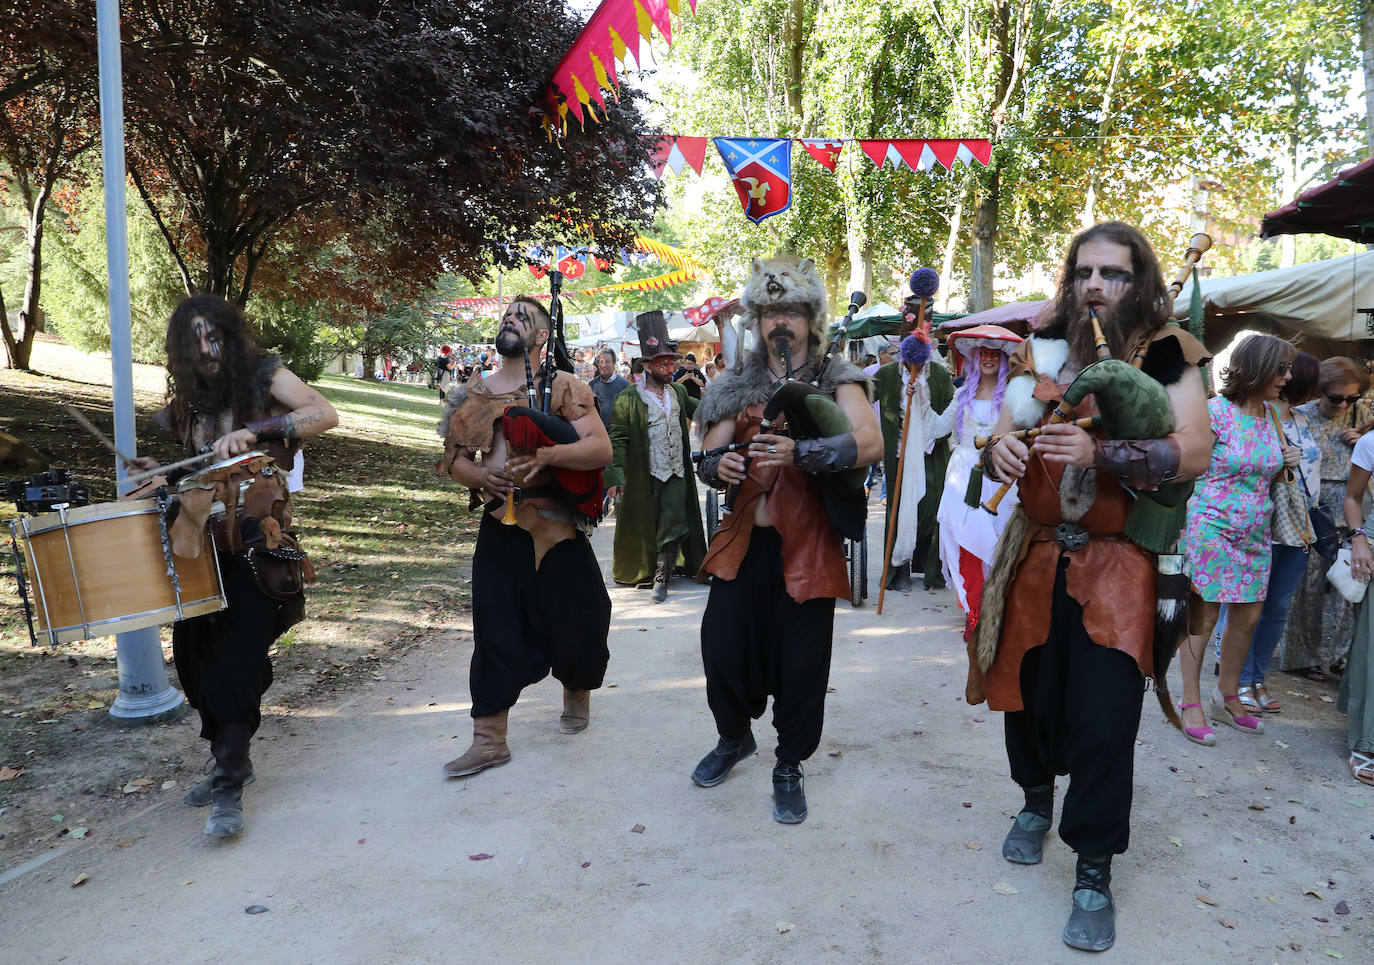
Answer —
915 353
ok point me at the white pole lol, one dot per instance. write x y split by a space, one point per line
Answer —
145 696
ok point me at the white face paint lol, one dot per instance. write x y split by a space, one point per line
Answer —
1102 275
211 344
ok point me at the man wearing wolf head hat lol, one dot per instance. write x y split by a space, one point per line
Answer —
539 603
1066 655
777 560
658 521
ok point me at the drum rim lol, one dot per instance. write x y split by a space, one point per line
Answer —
96 625
61 519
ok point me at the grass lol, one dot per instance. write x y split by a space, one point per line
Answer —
391 543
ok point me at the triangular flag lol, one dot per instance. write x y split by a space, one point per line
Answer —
979 150
880 152
825 151
693 151
945 151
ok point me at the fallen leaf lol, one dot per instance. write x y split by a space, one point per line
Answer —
837 753
95 705
974 845
80 880
78 833
141 782
480 857
1342 907
1258 807
1201 792
57 818
1314 893
1327 700
586 864
1281 744
1208 901
1227 922
1332 953
124 842
1002 888
968 804
168 785
637 829
1356 804
188 881
784 927
255 909
1176 842
8 773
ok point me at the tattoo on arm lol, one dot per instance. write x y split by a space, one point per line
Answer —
283 426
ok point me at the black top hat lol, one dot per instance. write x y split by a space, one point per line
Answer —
653 336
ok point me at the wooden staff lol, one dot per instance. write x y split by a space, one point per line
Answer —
894 496
1062 413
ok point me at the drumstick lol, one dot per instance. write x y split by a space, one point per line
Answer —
100 437
149 474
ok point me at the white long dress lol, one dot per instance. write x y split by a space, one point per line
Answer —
961 527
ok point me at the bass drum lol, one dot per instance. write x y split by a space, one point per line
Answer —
103 569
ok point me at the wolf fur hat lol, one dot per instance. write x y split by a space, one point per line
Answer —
790 281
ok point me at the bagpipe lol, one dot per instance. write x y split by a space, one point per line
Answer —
529 428
802 410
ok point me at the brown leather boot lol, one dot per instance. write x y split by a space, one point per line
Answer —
577 711
488 747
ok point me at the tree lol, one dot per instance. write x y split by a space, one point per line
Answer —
245 113
47 121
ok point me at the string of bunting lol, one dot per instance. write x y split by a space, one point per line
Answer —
657 283
761 167
616 30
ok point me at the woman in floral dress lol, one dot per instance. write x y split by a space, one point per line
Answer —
1321 623
1227 538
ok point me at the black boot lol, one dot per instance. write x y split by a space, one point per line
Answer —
715 765
900 580
199 796
789 800
667 556
1092 923
1025 841
232 769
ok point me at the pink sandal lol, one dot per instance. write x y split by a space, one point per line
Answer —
1198 735
1245 723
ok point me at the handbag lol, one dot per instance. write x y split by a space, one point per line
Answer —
1325 541
1344 580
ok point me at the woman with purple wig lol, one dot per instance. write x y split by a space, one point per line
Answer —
969 535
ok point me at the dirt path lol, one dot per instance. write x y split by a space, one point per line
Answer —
361 851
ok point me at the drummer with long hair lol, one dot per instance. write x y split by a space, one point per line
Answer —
228 396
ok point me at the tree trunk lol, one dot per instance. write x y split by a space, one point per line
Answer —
860 263
796 48
984 244
833 260
1367 52
956 224
369 367
11 346
1297 83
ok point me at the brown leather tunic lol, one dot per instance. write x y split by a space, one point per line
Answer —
1112 579
813 563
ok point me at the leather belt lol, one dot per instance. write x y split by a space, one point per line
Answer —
1071 537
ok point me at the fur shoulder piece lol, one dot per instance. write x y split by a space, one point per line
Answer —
452 403
733 392
1043 357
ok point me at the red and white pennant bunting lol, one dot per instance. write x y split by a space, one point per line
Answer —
918 154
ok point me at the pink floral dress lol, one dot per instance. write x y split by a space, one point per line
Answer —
1227 539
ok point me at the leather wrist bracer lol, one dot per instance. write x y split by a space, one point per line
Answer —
1143 464
708 471
985 457
272 428
831 454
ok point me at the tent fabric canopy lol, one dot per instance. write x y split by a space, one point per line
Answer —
1342 207
1318 301
1024 314
880 318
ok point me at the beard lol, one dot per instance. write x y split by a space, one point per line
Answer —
1119 322
509 344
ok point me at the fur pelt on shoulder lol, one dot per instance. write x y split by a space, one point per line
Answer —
452 403
733 392
1050 355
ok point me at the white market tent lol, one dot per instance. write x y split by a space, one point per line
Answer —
1316 305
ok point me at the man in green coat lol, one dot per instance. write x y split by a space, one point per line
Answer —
887 382
658 525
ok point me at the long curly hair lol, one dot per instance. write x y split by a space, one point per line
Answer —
235 386
1142 315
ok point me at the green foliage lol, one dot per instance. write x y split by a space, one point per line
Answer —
76 290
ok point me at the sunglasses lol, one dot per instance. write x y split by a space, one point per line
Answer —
1343 399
